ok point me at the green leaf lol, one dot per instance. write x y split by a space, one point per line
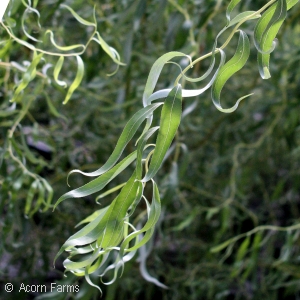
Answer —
99 183
40 198
243 249
230 68
53 109
30 195
170 120
242 16
49 190
230 8
78 18
93 216
153 216
28 154
110 191
113 54
26 12
57 70
113 220
130 129
106 229
155 73
220 247
153 212
265 32
140 148
28 76
77 81
63 48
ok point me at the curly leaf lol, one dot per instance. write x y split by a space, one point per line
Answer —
153 216
127 134
93 216
77 17
191 93
63 48
113 220
26 12
57 70
153 212
242 16
99 183
28 76
170 120
230 8
265 33
77 81
155 73
107 228
113 54
140 148
231 67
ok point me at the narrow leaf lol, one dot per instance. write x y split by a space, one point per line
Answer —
130 129
77 81
57 70
63 48
99 183
155 73
153 216
170 120
30 195
243 249
93 216
230 68
77 17
242 16
230 8
265 33
28 76
113 54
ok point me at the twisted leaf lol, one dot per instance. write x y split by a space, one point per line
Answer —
130 129
231 67
265 32
99 183
28 76
170 120
78 79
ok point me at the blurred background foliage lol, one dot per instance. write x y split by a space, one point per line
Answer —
231 173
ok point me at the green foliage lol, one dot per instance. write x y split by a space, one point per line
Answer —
203 168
